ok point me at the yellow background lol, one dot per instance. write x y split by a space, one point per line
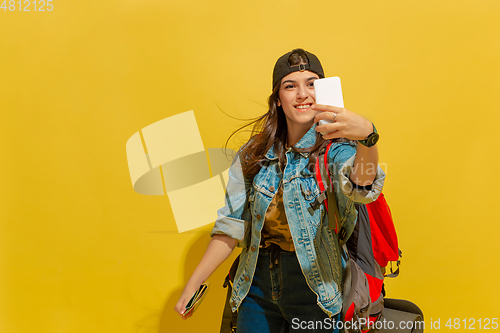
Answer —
80 251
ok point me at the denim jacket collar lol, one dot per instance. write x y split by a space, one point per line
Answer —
308 140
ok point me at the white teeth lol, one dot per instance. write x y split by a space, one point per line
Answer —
302 106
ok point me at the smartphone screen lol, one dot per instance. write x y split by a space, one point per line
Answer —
328 91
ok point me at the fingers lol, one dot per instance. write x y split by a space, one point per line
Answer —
333 114
326 116
321 107
333 135
188 315
180 308
331 127
343 123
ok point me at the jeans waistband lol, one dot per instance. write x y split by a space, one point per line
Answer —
276 252
274 248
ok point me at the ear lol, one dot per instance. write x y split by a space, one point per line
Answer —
279 102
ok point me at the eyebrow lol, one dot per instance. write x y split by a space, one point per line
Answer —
293 81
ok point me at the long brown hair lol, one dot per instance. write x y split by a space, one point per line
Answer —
271 129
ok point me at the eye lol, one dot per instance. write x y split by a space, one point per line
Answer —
289 86
310 83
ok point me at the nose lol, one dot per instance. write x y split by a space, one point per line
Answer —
302 92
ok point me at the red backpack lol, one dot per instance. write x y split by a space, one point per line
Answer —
370 246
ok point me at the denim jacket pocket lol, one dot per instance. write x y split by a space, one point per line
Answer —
309 189
308 185
264 192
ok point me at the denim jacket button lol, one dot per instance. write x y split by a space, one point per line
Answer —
271 189
233 303
259 216
247 278
252 248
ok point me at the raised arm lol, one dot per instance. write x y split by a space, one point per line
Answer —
354 127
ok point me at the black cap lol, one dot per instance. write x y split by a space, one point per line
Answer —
282 67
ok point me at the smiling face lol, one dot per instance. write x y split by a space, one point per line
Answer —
296 95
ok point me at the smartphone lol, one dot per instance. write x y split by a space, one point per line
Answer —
196 299
328 91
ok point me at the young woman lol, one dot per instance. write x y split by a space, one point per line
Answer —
290 269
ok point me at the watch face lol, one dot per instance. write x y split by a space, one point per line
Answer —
372 140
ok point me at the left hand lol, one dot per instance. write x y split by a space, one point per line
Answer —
347 124
180 307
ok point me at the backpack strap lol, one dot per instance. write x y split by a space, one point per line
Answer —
332 207
396 272
327 190
229 318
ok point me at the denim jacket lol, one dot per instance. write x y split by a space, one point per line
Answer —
316 246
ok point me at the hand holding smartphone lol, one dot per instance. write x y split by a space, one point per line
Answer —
196 299
328 91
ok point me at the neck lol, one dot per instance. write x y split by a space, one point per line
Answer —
295 132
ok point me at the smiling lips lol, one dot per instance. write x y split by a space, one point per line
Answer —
303 107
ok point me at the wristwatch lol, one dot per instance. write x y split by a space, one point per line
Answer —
371 139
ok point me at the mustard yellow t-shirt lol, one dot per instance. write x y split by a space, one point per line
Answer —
276 229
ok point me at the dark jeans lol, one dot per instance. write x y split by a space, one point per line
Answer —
280 300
